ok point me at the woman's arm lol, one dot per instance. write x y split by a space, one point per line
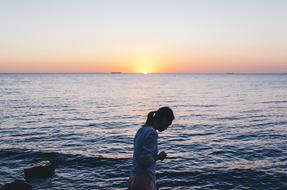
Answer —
148 156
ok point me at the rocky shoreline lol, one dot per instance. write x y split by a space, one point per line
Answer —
44 169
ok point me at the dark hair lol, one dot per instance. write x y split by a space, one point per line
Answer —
160 113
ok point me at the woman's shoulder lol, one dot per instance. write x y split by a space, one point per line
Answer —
150 131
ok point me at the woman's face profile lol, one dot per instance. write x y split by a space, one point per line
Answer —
164 124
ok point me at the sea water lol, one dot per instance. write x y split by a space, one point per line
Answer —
230 130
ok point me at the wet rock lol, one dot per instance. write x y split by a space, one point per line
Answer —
40 170
17 185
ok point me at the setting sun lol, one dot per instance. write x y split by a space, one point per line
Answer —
146 65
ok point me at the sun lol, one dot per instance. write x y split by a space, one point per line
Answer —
145 65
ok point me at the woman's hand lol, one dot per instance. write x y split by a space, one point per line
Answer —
161 156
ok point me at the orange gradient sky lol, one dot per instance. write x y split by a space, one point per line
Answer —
200 36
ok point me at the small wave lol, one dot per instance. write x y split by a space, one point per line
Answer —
275 102
24 116
59 158
205 106
231 118
269 124
80 119
251 111
190 135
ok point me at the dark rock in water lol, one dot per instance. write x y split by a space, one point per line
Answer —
40 170
17 185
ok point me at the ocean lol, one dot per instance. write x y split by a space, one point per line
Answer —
229 132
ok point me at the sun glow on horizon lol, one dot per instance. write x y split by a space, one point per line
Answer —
146 65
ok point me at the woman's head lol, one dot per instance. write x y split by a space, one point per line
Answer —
160 119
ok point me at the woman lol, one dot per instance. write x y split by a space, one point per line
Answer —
146 151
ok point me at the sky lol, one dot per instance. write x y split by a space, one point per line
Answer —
147 36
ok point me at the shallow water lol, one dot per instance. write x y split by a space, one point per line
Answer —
229 133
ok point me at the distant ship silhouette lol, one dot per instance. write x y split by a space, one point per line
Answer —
116 72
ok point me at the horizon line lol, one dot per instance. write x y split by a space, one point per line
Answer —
118 73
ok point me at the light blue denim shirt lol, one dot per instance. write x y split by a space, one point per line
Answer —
145 151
